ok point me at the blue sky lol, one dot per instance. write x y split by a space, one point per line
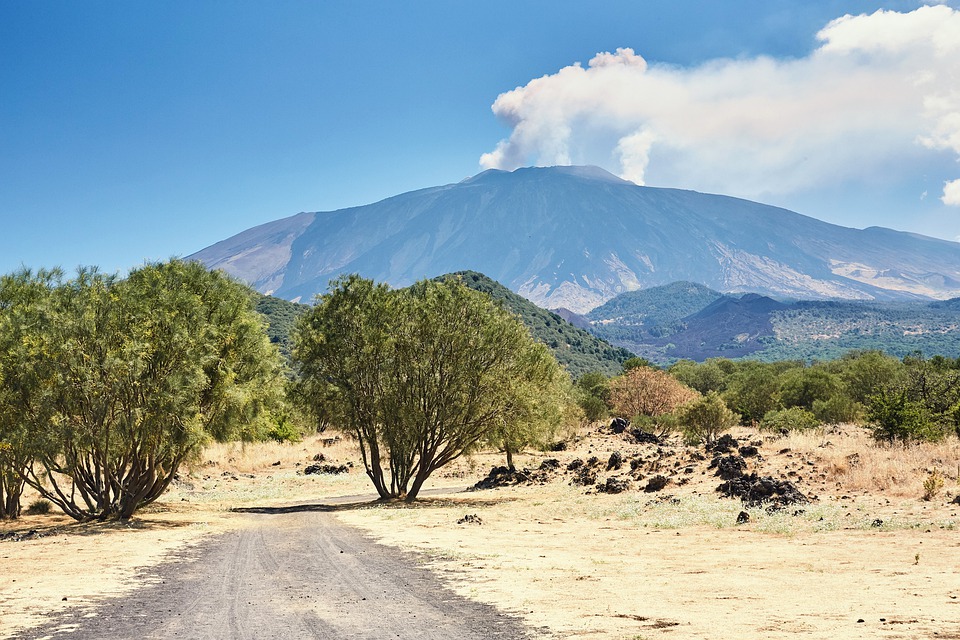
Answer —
143 130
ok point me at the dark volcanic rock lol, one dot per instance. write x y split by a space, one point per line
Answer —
728 467
656 483
550 464
754 491
331 469
504 477
614 484
619 425
643 437
615 461
724 444
749 451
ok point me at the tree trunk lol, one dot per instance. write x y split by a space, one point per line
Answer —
10 493
510 459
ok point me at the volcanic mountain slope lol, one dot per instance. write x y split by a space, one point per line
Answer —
575 237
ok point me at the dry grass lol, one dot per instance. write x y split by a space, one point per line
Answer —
855 462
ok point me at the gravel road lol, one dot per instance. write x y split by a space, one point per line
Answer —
292 573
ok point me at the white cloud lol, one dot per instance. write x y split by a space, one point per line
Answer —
880 88
951 193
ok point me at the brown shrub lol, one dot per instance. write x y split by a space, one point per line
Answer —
648 392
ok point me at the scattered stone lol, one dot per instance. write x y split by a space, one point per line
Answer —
724 444
956 500
877 523
329 469
656 483
504 477
586 477
19 536
470 518
575 464
643 437
615 461
749 451
743 517
755 491
275 464
319 458
728 467
619 425
614 484
558 446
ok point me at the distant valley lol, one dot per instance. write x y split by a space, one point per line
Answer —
686 320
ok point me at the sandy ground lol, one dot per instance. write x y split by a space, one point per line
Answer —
675 563
592 573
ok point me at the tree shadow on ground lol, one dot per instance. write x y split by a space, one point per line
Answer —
350 503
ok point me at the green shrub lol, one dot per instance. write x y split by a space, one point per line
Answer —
893 417
705 418
660 426
283 430
792 419
39 508
837 409
593 407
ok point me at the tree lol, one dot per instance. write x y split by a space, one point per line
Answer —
421 376
804 386
648 392
704 377
753 390
706 418
865 373
593 395
21 299
135 375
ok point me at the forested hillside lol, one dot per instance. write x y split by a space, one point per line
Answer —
650 324
574 348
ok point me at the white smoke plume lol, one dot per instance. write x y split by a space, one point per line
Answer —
879 90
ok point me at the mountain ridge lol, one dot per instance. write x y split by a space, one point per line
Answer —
575 237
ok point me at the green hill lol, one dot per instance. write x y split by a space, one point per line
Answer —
636 317
280 315
574 348
664 324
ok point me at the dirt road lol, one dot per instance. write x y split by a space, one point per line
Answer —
292 572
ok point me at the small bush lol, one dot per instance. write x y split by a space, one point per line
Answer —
705 418
593 407
932 485
284 430
792 419
660 426
39 508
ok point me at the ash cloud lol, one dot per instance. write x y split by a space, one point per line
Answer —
878 88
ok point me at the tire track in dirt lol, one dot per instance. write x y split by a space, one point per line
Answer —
293 572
